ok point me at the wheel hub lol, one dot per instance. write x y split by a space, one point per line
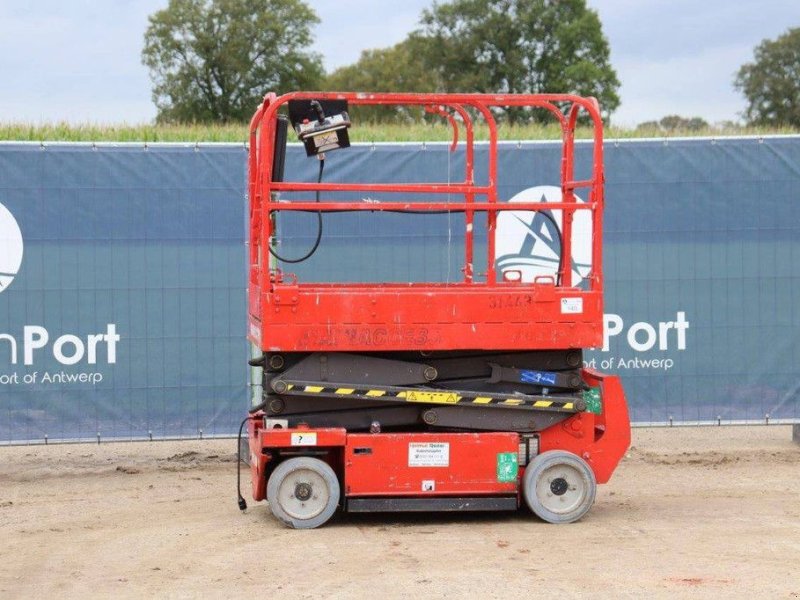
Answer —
304 494
302 491
559 486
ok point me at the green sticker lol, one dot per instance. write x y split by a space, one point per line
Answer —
507 467
594 403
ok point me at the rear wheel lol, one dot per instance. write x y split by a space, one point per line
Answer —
559 487
303 492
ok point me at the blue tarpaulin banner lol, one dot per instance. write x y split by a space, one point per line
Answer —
122 274
125 314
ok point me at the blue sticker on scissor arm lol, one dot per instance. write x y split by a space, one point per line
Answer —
539 377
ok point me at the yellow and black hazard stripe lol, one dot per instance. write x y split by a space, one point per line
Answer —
429 396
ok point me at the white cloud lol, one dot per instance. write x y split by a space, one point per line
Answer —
699 85
76 61
80 60
350 26
681 56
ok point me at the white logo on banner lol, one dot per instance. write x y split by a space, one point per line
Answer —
530 241
67 349
10 248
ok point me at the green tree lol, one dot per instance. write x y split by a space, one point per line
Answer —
771 83
674 123
213 60
519 46
399 68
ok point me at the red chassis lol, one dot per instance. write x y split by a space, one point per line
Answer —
376 471
431 396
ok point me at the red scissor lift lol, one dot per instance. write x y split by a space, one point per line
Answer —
428 396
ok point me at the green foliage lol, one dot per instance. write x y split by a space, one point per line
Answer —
492 46
360 132
399 68
519 46
395 69
124 132
771 83
213 60
674 124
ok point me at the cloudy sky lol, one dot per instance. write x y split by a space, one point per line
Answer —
79 60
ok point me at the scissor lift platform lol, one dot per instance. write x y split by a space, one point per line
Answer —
428 395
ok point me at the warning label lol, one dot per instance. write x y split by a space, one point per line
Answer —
507 467
571 306
433 454
304 439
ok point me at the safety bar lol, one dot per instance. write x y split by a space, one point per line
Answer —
262 204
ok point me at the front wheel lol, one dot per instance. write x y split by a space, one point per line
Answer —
559 487
303 492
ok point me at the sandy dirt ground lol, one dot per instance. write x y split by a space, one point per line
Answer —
712 512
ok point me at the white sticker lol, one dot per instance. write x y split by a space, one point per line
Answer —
432 454
428 485
571 306
304 439
326 139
